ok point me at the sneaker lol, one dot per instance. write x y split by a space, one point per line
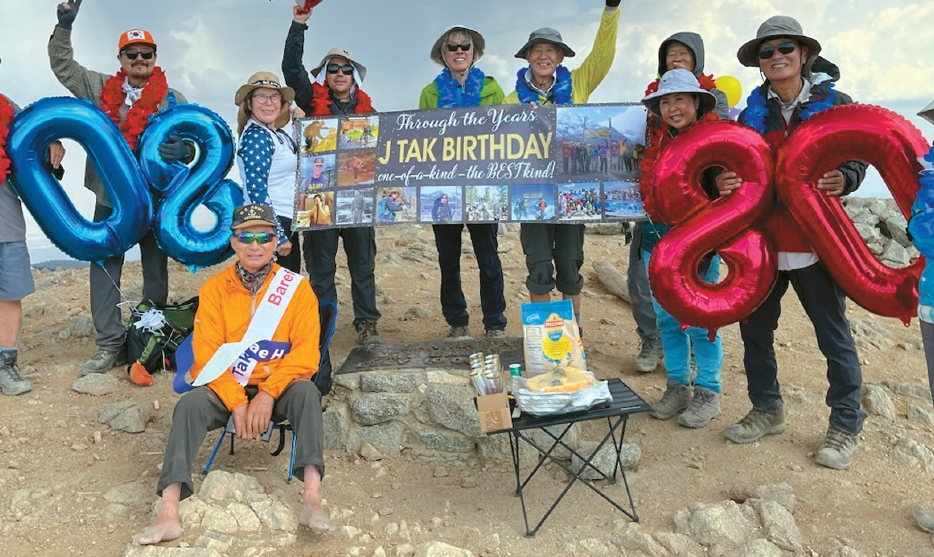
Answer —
650 353
495 333
367 333
677 397
756 424
458 332
104 361
704 407
11 382
837 449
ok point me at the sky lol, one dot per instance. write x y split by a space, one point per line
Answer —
208 47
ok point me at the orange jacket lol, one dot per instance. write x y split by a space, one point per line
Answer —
224 314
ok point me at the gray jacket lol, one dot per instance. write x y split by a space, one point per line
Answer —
694 42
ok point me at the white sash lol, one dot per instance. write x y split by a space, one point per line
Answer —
262 326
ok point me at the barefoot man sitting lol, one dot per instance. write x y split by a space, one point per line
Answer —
255 350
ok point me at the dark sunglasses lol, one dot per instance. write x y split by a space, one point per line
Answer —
250 237
146 54
785 47
347 69
456 47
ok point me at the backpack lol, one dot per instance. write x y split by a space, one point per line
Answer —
153 336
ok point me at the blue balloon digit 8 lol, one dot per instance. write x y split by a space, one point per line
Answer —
46 120
184 189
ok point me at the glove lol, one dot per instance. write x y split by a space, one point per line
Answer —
67 16
173 150
612 3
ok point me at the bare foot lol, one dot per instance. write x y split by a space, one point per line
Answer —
161 530
316 519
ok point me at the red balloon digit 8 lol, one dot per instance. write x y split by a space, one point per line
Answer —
725 225
892 145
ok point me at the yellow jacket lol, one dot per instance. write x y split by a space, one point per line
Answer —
586 78
224 313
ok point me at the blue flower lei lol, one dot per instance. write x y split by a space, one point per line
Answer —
756 109
560 92
448 86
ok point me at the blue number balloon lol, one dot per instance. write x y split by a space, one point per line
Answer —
46 120
184 188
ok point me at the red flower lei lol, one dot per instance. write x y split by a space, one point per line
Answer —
6 116
137 118
321 101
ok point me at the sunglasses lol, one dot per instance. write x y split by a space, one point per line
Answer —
456 47
347 69
785 47
250 237
132 54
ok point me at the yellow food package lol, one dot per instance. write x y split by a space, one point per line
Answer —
561 380
552 337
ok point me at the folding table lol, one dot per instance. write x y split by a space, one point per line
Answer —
625 403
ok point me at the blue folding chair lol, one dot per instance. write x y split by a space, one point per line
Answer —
327 315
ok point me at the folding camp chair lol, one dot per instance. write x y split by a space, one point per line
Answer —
327 315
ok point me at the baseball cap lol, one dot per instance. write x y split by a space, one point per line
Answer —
253 214
135 36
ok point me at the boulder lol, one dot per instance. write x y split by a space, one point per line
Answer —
719 527
377 408
96 384
876 401
439 549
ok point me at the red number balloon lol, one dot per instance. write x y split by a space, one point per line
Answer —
725 225
892 145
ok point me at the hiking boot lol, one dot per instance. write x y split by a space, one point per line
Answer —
104 361
458 332
650 352
11 382
677 397
837 449
756 424
495 333
367 333
704 407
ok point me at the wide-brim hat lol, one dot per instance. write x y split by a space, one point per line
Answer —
476 40
680 81
544 35
253 214
359 69
268 80
928 112
773 28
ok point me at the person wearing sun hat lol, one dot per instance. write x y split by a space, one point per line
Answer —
267 154
334 89
254 357
680 103
798 84
554 253
461 83
139 90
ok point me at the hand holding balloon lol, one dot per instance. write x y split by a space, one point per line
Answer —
831 183
727 182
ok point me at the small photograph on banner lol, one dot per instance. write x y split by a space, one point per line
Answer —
532 202
355 206
318 136
487 203
314 211
622 200
599 141
359 132
397 204
356 168
316 173
579 201
440 204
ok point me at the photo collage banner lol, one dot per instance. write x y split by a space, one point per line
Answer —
504 163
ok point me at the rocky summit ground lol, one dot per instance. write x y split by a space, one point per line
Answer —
72 485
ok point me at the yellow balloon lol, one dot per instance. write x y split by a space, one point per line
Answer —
731 88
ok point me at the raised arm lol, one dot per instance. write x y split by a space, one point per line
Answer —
80 81
595 67
293 70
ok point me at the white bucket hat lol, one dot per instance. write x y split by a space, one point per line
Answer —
680 81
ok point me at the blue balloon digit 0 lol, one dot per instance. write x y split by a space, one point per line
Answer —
31 133
184 189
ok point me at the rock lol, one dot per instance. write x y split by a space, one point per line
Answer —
388 382
133 419
96 384
778 525
337 423
845 551
924 516
452 407
445 442
369 453
468 482
679 544
920 415
223 486
377 408
612 280
866 219
545 437
869 232
154 551
896 228
720 526
880 208
911 389
440 471
219 520
385 438
636 540
895 255
275 515
877 402
245 517
605 459
783 494
756 548
349 381
911 453
870 333
416 312
439 549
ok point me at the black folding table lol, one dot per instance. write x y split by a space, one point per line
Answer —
625 403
